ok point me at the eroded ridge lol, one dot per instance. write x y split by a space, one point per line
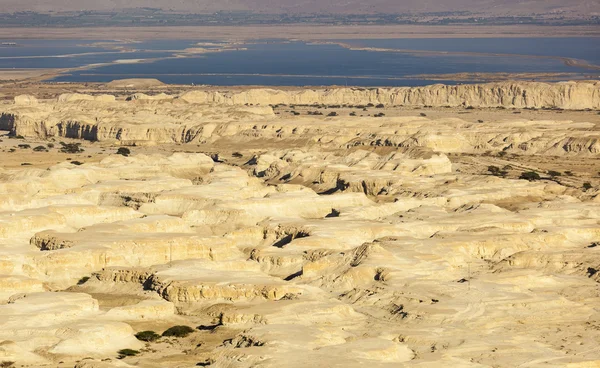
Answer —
297 240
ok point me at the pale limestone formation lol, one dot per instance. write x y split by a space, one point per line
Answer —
151 120
566 95
26 100
297 242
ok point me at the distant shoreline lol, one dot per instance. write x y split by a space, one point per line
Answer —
306 33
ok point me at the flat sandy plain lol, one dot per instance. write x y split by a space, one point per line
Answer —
308 32
300 227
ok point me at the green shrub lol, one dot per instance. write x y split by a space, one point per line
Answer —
530 175
50 145
123 151
553 173
70 147
178 331
39 149
127 352
24 146
147 336
587 186
494 170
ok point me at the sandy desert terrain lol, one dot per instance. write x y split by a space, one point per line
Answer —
301 32
345 227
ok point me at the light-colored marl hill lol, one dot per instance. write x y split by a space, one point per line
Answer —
296 240
208 116
566 95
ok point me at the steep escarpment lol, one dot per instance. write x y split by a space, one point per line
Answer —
567 95
212 117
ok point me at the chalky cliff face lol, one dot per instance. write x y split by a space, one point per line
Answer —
308 240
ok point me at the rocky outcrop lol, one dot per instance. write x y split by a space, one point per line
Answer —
157 120
566 95
73 97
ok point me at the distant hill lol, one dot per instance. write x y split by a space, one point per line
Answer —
492 7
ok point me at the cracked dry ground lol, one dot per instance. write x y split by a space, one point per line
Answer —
330 251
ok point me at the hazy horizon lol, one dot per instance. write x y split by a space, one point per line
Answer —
497 7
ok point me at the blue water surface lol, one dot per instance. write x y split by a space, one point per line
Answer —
278 62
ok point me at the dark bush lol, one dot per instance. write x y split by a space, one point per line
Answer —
553 173
530 175
568 173
587 186
76 163
24 146
380 106
39 149
178 331
70 147
208 327
124 151
50 145
423 114
333 113
495 170
147 336
127 352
